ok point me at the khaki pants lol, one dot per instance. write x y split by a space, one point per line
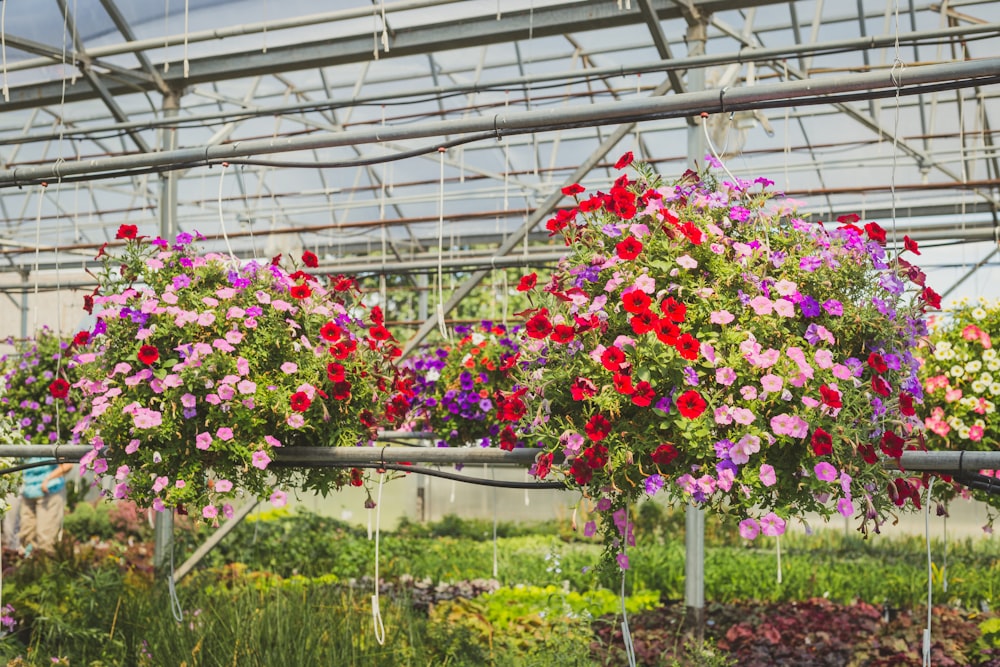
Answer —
41 520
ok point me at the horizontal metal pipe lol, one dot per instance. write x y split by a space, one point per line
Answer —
952 75
674 64
950 462
319 456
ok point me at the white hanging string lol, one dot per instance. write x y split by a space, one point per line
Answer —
711 148
38 250
376 611
626 633
187 68
451 496
527 498
385 29
930 573
381 214
263 37
777 541
222 217
3 49
175 602
442 327
895 74
788 134
944 563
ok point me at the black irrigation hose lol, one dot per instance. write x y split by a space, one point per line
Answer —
433 472
36 464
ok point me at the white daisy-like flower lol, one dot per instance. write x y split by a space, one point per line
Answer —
993 365
956 371
963 432
979 387
974 366
995 389
989 355
987 378
978 313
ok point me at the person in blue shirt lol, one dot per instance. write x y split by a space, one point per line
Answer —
43 503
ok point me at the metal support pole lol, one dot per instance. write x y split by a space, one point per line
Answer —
694 536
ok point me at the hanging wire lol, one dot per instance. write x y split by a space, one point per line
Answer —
626 633
930 575
175 602
166 35
442 327
895 74
777 542
385 29
222 217
376 611
187 68
3 49
496 568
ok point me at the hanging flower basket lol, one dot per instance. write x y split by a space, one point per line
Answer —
703 341
456 386
961 378
207 366
37 379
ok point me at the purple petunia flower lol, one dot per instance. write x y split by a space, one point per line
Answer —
809 306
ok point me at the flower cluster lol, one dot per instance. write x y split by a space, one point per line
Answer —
456 387
703 341
205 366
37 380
961 377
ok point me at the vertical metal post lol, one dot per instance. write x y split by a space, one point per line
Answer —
694 543
163 522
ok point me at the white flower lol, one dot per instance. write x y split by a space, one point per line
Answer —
993 365
995 389
986 377
963 433
978 313
990 354
974 366
979 386
956 371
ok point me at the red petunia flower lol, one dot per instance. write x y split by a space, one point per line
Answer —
510 408
300 401
148 354
508 439
88 304
527 283
892 445
848 218
880 386
673 309
623 384
629 248
357 477
830 396
667 332
341 391
822 443
911 245
543 465
906 404
877 363
377 316
644 394
562 333
596 456
335 371
643 322
342 349
597 428
612 359
330 332
81 338
868 454
343 284
690 404
59 388
300 291
582 388
572 190
379 332
932 298
127 232
624 160
664 454
875 232
636 301
580 471
310 259
691 232
687 346
539 326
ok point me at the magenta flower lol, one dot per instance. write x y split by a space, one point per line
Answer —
224 433
210 511
749 529
767 476
203 440
223 486
825 472
772 525
278 499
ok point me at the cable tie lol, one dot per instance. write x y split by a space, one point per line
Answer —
496 127
722 98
